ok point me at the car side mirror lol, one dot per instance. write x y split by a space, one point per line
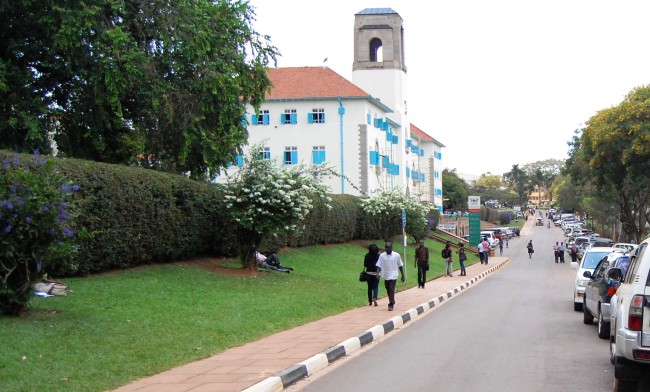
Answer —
587 274
615 274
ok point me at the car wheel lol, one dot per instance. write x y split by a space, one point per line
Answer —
625 385
587 317
577 306
603 327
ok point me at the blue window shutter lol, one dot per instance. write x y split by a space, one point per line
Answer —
421 153
422 177
368 118
374 157
395 139
396 170
294 157
240 160
322 156
310 118
265 119
243 121
408 172
385 126
254 119
314 157
389 136
294 118
384 162
323 118
409 142
282 118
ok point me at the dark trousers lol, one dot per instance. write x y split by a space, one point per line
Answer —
390 289
373 287
561 254
462 268
422 273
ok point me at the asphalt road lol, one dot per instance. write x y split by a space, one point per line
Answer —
516 331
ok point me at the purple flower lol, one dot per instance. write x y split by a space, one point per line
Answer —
28 219
46 209
8 229
68 232
6 205
75 187
51 232
6 164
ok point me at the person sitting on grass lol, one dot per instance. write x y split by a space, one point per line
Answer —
272 262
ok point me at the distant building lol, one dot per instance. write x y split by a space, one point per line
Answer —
313 115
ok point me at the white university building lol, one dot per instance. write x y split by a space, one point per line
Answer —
313 115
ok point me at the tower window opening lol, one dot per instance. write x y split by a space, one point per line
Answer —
376 50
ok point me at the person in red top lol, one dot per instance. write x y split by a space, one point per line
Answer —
486 249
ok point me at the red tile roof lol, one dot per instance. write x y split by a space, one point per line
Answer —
310 82
423 135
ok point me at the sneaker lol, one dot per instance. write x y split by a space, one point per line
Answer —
375 302
390 308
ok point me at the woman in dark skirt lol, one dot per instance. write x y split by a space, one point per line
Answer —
370 263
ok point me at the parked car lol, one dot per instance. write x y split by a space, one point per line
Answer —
588 262
582 248
539 222
630 323
519 214
600 288
601 241
626 246
491 238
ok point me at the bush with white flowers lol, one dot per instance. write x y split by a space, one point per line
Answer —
387 207
265 199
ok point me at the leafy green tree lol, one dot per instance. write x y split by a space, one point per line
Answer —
163 83
265 199
456 191
615 148
516 179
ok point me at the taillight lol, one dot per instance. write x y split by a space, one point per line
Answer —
635 315
611 289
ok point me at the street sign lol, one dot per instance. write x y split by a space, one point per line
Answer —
403 218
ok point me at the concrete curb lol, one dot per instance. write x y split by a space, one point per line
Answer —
320 361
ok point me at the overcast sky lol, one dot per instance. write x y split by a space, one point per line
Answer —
498 82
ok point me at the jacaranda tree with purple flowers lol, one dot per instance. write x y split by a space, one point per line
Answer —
36 217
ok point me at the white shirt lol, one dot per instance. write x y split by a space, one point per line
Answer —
480 247
389 264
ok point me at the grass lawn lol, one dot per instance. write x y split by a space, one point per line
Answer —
121 326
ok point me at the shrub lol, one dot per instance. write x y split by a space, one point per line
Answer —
36 222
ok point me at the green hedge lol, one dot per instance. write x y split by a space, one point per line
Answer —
134 216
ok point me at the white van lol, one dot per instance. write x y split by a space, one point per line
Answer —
491 238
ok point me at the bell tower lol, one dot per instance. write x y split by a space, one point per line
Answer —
378 40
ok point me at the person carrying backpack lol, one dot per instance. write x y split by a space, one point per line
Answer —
573 251
446 255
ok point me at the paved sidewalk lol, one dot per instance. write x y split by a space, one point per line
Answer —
279 360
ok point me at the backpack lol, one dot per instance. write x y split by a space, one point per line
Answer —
444 253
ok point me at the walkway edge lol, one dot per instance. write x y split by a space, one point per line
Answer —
310 366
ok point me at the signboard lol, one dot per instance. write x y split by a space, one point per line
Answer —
403 218
474 207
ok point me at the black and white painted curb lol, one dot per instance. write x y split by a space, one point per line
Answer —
319 361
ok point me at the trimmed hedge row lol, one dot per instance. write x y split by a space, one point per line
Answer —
136 216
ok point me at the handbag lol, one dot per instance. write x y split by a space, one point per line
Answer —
363 276
462 257
427 267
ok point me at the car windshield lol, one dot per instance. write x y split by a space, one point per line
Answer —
591 259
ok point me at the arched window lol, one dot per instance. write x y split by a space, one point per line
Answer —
376 50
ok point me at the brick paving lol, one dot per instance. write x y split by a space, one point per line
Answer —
242 367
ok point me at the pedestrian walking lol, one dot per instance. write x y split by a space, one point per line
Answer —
486 249
388 264
370 264
556 251
561 251
507 242
446 255
480 251
574 253
529 246
462 257
422 263
500 246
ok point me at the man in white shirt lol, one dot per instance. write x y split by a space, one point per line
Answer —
480 251
387 266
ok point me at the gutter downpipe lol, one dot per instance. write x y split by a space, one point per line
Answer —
392 177
341 113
